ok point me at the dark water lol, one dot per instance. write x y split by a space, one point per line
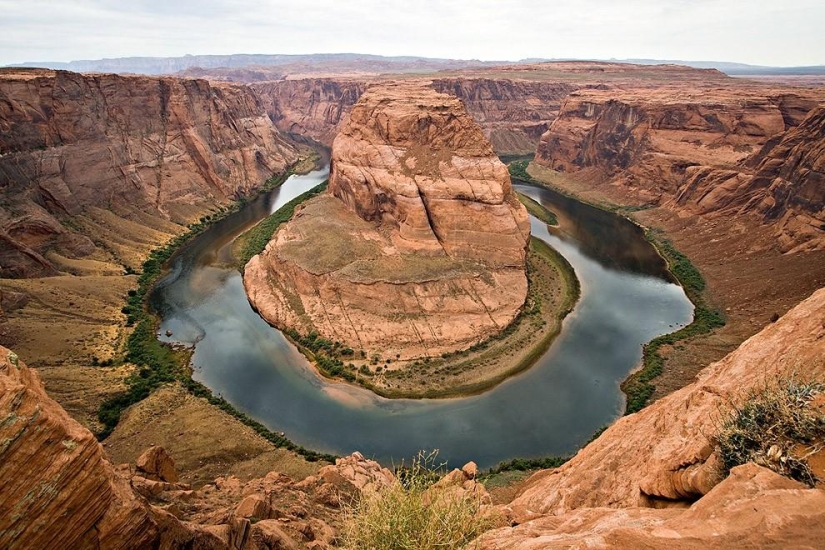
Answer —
554 407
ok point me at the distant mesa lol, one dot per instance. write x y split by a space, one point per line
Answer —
419 246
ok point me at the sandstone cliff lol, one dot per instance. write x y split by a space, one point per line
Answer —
418 249
697 149
783 184
661 457
310 107
135 146
58 490
512 113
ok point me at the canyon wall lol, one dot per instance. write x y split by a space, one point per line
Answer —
700 151
420 246
312 107
512 113
783 184
128 145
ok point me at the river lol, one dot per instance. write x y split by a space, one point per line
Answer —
628 298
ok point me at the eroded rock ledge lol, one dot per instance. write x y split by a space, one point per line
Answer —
419 247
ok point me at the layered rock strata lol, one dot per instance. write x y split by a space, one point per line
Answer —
134 146
713 151
58 489
783 184
418 248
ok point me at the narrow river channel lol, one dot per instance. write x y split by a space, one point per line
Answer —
627 299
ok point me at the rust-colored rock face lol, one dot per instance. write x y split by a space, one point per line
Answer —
731 151
512 113
57 490
172 147
413 159
753 508
419 247
312 107
784 184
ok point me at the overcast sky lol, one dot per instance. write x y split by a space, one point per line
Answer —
773 32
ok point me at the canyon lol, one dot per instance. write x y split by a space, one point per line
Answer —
677 498
733 153
98 170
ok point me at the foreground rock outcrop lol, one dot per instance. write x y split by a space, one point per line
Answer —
58 489
138 147
752 508
419 247
610 493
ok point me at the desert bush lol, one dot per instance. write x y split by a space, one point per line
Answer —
769 427
415 514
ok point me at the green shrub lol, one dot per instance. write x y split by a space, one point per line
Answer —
768 428
518 170
524 464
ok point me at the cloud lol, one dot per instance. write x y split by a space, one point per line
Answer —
755 31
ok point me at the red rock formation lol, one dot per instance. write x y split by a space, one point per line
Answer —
784 184
69 142
313 107
699 147
753 508
513 113
57 490
420 249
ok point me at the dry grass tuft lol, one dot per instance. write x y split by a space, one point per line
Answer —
771 427
416 514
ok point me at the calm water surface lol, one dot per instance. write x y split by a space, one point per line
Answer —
627 299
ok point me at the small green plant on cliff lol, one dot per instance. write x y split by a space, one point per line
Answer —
776 427
414 513
526 464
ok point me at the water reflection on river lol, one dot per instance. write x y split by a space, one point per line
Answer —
627 299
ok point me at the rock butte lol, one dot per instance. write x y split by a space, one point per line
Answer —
419 246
